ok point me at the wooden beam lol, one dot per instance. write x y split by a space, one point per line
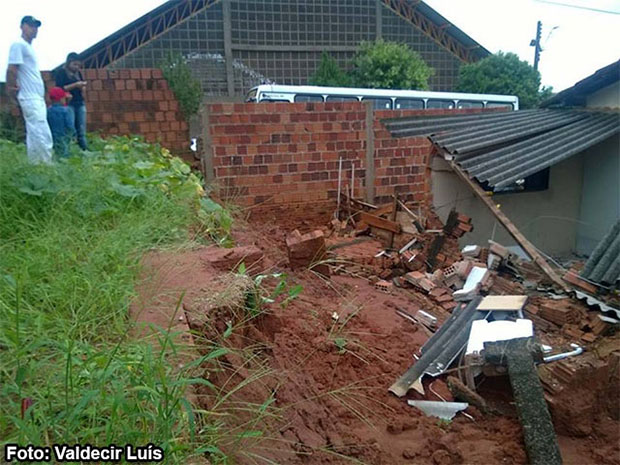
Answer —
394 213
378 222
511 228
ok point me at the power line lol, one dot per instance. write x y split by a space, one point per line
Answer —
580 7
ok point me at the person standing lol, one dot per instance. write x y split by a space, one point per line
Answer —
24 82
70 78
60 121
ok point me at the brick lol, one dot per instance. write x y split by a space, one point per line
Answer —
119 84
384 286
306 249
145 73
588 337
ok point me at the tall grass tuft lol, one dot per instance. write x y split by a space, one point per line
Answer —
71 239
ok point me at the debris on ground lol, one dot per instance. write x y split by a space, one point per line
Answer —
407 311
443 410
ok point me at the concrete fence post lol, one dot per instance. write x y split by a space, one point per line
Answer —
370 154
206 157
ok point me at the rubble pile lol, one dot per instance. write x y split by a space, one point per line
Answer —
406 247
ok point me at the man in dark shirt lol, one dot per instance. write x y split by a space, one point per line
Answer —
69 77
60 122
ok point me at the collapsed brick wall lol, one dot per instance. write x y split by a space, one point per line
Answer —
269 155
131 101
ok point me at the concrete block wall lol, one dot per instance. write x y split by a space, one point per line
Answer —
272 154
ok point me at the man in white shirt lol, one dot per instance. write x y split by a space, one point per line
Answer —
24 81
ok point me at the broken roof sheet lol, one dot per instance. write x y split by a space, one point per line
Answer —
503 147
603 266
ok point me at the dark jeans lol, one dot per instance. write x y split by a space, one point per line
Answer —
78 116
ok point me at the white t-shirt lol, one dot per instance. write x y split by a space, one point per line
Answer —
28 75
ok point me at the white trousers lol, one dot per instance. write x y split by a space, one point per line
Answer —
39 141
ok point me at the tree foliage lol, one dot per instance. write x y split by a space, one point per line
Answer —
503 73
389 65
186 88
329 73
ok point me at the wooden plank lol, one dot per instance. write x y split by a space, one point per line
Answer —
380 223
409 212
511 228
383 210
510 303
394 213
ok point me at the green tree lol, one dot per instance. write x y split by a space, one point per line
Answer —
503 73
328 73
389 65
184 85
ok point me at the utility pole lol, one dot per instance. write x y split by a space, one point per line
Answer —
536 44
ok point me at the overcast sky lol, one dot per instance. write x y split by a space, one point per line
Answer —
582 42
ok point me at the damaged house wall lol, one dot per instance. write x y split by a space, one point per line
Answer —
600 203
547 218
607 97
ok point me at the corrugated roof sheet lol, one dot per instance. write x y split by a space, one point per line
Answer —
442 348
603 266
502 148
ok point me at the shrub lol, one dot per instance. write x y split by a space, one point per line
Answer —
328 73
389 65
186 88
503 73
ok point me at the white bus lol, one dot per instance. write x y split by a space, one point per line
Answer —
382 99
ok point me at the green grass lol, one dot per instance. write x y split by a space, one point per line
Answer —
71 239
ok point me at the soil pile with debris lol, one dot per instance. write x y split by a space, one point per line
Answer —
317 369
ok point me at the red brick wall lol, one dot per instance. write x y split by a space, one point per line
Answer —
133 101
273 154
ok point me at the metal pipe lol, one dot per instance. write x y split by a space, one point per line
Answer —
552 358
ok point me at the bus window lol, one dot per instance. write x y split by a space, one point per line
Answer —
308 98
409 104
342 98
499 105
251 97
447 104
379 103
273 100
469 104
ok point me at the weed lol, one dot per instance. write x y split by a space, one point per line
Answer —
444 424
71 239
260 296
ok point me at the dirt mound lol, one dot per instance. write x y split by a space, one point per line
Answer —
314 376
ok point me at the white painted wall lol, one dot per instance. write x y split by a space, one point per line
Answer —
607 97
547 218
600 202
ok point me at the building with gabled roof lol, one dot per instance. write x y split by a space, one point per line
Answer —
233 45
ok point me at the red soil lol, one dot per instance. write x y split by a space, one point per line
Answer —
329 379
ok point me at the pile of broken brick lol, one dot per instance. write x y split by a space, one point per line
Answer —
493 334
